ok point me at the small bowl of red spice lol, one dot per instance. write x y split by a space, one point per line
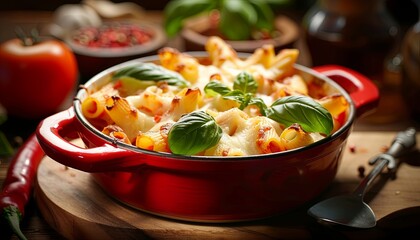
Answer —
98 48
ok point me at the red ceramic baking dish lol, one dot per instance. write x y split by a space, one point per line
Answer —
207 189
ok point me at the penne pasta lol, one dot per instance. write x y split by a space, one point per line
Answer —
153 140
283 62
220 52
153 100
267 138
335 104
264 55
297 84
128 118
156 139
184 102
182 63
294 137
236 105
231 120
117 133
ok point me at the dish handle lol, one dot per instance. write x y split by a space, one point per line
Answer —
54 134
361 89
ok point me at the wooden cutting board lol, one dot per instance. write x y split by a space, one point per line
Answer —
75 206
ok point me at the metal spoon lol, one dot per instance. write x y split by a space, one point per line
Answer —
350 210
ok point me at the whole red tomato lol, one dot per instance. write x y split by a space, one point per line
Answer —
36 79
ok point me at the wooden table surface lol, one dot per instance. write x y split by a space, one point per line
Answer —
67 196
395 211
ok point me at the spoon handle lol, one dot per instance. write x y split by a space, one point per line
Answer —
364 184
403 143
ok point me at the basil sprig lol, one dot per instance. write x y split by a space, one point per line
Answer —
194 133
240 14
244 88
151 72
287 110
245 82
246 16
177 11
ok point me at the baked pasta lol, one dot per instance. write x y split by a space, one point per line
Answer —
223 105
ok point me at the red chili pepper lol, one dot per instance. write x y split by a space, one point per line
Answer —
17 187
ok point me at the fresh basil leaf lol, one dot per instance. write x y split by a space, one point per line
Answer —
260 104
130 86
151 72
194 133
214 87
265 19
245 82
173 26
236 17
236 95
246 101
176 11
244 86
240 97
303 110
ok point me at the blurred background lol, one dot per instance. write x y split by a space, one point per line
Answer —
404 11
369 36
378 38
364 35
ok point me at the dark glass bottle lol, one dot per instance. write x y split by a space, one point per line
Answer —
411 70
358 34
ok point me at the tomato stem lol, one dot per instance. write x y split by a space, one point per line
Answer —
35 36
22 36
28 41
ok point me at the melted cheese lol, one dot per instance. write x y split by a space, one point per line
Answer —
245 132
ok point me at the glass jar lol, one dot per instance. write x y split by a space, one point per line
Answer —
411 70
361 35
